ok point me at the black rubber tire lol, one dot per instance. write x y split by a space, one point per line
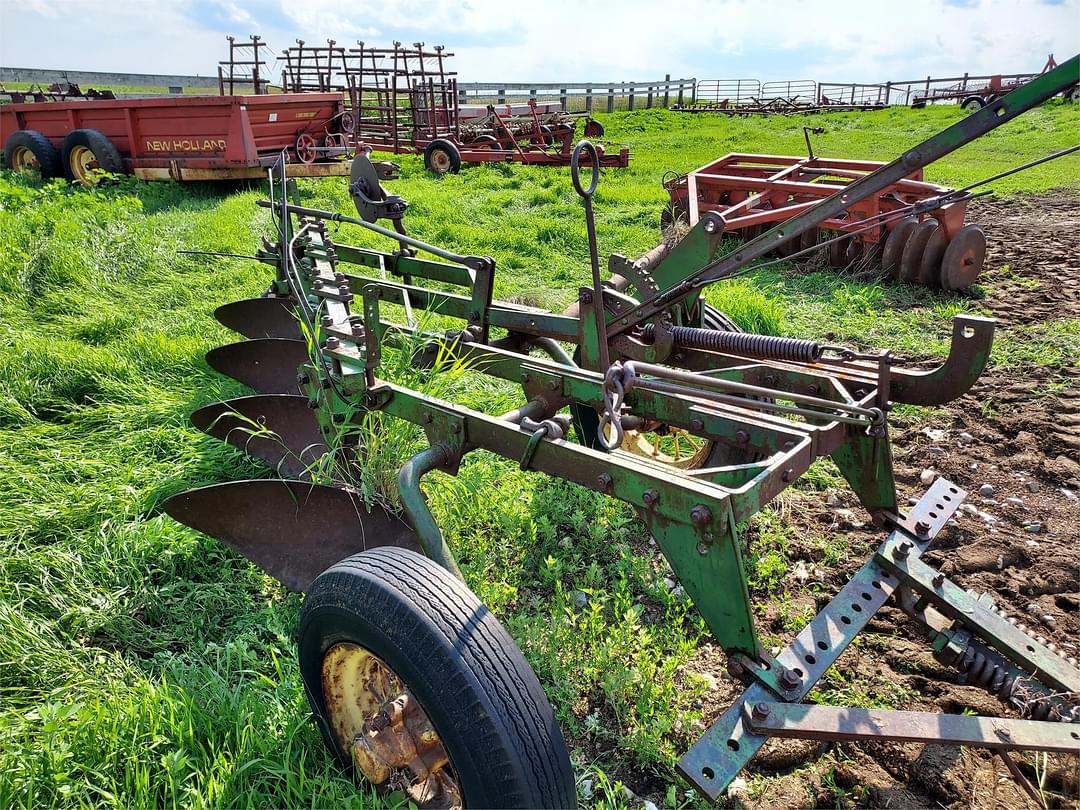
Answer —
456 659
972 103
586 421
105 152
47 156
451 151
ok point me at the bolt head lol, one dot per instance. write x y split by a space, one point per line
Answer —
650 497
428 418
741 436
697 424
700 515
761 710
604 481
789 680
332 342
586 297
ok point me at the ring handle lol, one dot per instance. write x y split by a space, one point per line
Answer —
575 168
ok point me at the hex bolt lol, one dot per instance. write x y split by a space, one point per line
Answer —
735 669
788 475
302 378
327 320
741 436
770 379
332 342
343 289
697 424
922 528
702 549
358 329
313 404
761 711
604 481
700 515
789 680
813 389
939 579
339 277
903 549
586 297
650 497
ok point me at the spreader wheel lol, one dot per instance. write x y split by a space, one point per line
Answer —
86 150
963 259
972 103
895 243
442 157
307 148
28 150
417 687
911 258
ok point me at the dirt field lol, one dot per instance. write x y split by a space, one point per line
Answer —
1020 543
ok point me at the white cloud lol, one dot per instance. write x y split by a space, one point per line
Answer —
563 39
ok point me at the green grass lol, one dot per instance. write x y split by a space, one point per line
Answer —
142 664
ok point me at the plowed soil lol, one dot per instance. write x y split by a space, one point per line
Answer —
1017 431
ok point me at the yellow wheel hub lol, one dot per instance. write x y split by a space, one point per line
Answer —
383 727
82 163
22 159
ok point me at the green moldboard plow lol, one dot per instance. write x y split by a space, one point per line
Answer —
639 391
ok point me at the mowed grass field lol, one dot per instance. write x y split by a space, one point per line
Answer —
144 665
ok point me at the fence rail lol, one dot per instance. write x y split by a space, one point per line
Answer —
577 96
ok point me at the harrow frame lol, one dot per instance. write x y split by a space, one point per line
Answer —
773 405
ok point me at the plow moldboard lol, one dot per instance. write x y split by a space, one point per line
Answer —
293 442
266 365
260 318
293 530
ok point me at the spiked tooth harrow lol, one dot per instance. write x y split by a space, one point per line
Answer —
412 682
752 193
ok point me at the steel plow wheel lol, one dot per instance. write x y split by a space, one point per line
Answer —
895 243
963 259
911 258
417 687
280 429
307 148
293 530
260 318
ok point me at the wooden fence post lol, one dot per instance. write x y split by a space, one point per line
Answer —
888 91
693 90
630 101
532 94
611 99
588 99
680 94
502 95
562 98
667 90
648 103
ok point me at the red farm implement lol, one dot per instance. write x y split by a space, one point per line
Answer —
405 100
753 193
177 137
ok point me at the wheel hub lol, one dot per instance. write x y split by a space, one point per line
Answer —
22 159
386 732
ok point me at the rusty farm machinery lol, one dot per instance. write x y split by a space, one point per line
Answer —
413 683
888 232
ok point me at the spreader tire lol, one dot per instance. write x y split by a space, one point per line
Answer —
82 143
456 660
972 103
28 146
442 157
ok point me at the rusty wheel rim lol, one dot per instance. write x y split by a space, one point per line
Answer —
386 733
440 161
963 259
673 447
306 148
23 159
82 162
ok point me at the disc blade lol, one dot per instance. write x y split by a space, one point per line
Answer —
267 365
293 530
911 257
278 428
260 318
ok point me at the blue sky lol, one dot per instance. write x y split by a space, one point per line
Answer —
556 40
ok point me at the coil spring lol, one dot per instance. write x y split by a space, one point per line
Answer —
745 344
981 666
